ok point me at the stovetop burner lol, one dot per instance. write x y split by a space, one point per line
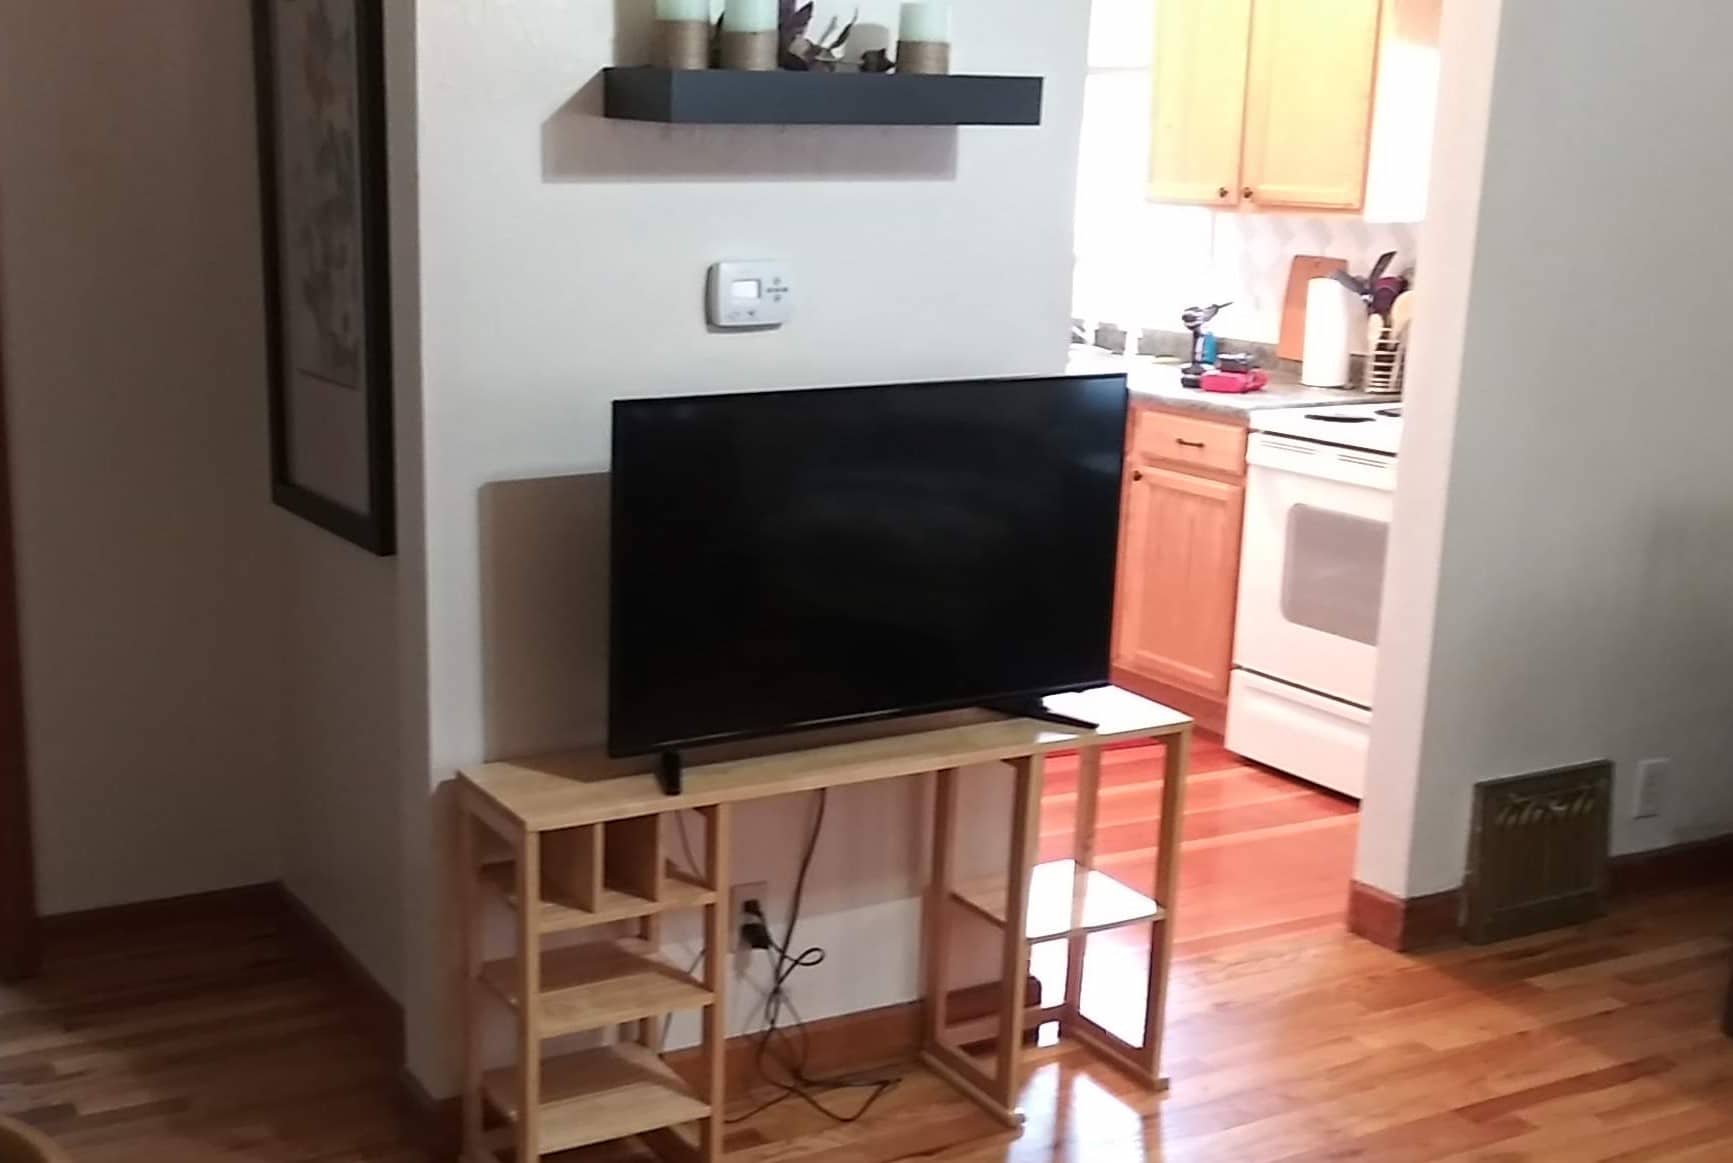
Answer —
1393 413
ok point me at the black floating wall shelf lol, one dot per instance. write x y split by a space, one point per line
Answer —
727 97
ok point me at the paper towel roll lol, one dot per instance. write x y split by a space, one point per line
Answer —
1334 316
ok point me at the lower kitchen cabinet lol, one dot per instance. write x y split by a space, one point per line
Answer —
1179 566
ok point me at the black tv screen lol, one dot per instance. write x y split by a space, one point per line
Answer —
797 558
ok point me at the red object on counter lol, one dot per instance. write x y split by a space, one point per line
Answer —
1235 383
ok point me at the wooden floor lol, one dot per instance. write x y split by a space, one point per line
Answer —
210 1041
1263 854
201 1038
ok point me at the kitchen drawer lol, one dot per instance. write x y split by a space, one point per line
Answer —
1189 441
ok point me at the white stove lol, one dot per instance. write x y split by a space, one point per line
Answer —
1320 487
1367 427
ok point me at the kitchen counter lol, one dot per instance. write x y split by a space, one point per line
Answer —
1155 380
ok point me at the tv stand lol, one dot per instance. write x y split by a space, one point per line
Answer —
577 841
1034 708
670 773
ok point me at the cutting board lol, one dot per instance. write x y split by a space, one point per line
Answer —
1306 268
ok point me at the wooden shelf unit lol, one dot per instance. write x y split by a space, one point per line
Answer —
595 1096
574 842
1054 889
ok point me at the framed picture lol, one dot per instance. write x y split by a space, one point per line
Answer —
321 106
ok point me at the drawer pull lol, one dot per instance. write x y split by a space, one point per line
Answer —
1180 440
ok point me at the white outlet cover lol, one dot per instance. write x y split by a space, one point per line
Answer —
738 896
1652 777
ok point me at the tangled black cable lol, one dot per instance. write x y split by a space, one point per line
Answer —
796 1055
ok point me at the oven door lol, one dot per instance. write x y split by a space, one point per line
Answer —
1312 566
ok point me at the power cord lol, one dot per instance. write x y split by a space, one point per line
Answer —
784 963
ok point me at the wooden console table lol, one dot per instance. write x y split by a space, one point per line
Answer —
579 845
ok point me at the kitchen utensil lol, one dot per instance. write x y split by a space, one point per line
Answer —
1402 313
1384 294
1303 270
1358 286
1335 318
1379 267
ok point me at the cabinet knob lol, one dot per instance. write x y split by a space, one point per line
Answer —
1223 192
1137 474
1248 193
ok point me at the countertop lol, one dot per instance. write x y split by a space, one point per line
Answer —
1156 380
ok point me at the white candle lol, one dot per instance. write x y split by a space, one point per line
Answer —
749 16
683 10
927 21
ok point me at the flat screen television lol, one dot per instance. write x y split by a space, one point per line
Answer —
791 559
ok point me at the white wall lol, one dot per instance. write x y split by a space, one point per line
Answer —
1572 511
341 808
563 259
148 551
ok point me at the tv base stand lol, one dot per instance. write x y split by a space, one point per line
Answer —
1033 708
670 773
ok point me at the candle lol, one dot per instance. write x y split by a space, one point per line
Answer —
749 16
927 22
683 10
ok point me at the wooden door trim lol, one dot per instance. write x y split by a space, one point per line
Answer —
20 937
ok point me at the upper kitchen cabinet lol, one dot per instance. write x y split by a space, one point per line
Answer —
1309 103
1323 105
1200 100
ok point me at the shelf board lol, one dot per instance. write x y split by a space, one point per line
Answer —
595 1096
1107 904
729 97
557 916
587 987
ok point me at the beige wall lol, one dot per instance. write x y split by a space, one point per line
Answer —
149 555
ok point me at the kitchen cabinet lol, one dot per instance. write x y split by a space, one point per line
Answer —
1270 103
1200 100
1179 558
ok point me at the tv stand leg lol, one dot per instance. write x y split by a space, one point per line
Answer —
670 773
1034 709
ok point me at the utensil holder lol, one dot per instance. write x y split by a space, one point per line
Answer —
1386 363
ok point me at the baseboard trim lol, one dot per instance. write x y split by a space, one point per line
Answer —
1402 924
1407 925
247 899
315 940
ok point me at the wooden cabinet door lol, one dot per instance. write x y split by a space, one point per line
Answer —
1200 100
1179 564
1309 102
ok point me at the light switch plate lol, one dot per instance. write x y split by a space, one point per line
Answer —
747 295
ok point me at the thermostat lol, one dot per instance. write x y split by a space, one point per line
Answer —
750 294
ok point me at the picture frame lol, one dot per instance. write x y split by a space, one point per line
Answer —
320 79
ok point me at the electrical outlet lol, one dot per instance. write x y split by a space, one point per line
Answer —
752 890
1652 777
